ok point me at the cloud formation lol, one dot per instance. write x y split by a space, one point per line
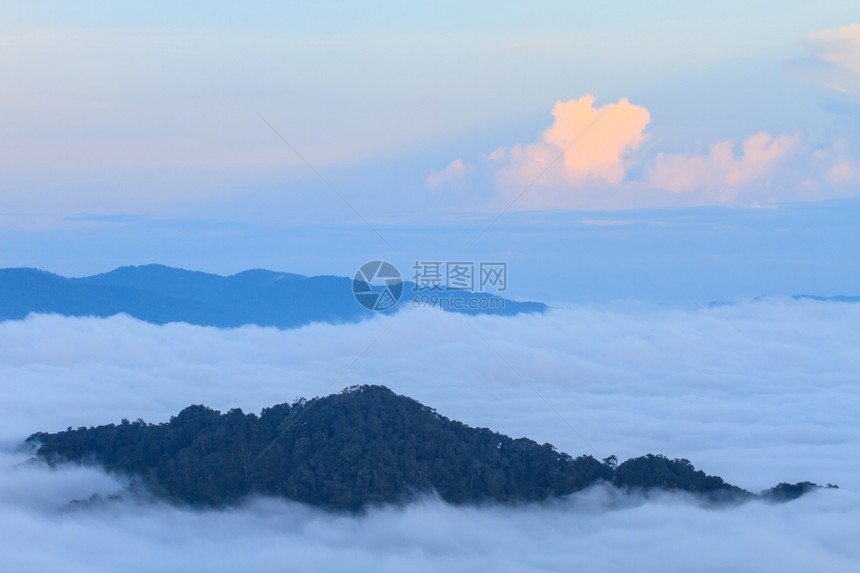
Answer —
597 153
834 161
595 530
592 158
757 392
454 175
834 61
719 169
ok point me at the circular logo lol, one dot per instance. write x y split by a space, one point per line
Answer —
377 285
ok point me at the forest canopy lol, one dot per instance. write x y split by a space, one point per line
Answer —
363 446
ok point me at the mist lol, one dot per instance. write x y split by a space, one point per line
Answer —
758 392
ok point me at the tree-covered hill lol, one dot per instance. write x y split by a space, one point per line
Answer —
363 446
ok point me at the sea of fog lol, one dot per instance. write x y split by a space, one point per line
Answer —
758 392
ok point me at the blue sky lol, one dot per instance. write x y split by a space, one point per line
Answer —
723 161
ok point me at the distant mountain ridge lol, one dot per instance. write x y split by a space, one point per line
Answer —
838 298
160 294
363 446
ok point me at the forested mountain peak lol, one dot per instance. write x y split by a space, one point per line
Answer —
365 445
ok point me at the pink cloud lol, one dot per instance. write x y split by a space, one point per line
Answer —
598 154
833 62
835 164
719 169
583 160
842 171
454 174
839 46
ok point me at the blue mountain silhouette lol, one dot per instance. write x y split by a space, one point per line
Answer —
160 294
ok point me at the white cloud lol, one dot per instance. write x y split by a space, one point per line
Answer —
592 531
758 393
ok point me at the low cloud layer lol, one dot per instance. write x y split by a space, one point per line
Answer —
757 393
595 530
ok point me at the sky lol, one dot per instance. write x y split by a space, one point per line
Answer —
757 393
671 153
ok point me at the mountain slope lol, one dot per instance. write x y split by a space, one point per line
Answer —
346 451
25 291
160 294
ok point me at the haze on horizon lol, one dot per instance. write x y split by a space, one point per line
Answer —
725 162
